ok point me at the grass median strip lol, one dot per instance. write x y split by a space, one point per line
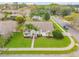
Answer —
57 25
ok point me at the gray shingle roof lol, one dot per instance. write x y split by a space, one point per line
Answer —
6 27
44 26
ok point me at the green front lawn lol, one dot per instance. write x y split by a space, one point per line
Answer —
43 42
18 41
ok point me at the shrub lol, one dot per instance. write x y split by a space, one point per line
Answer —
31 27
57 34
20 19
39 35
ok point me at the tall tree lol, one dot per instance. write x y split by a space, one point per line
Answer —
46 16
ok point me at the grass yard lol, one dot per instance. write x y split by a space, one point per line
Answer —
18 41
51 42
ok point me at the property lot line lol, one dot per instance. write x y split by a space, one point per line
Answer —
72 44
41 49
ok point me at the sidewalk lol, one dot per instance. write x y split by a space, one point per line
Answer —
33 39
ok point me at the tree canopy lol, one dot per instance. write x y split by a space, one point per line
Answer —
31 27
57 34
20 19
46 16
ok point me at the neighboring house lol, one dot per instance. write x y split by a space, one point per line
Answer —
25 11
9 6
12 11
13 16
7 27
36 18
44 29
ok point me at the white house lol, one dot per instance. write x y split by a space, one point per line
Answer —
44 28
28 33
12 11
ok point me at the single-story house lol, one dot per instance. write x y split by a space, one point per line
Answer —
36 18
45 29
13 16
7 27
25 11
12 11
